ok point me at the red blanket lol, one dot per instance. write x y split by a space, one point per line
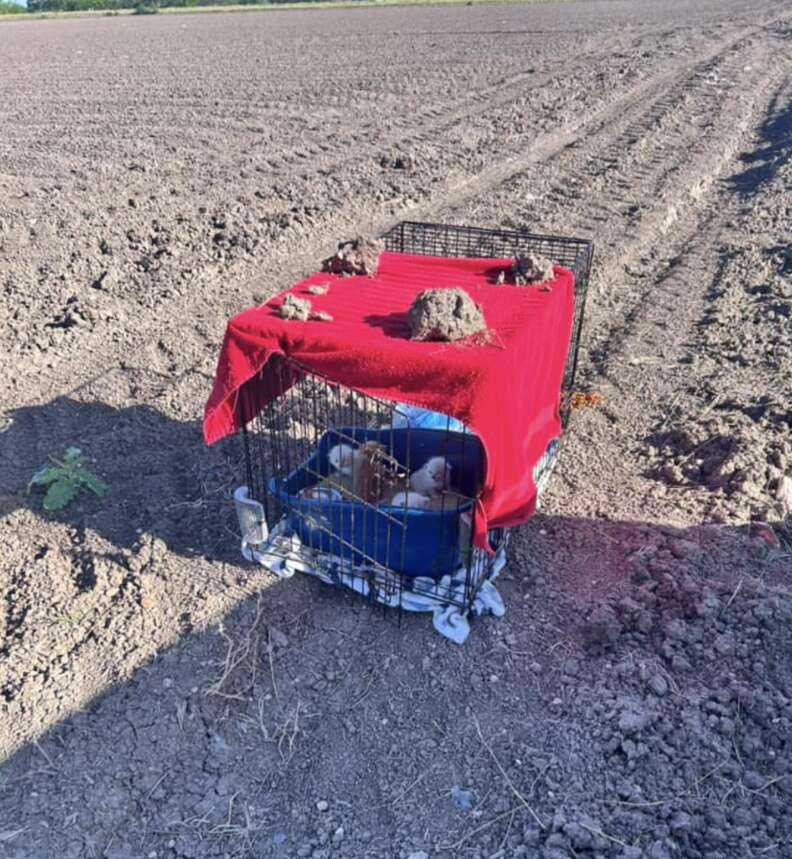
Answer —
507 390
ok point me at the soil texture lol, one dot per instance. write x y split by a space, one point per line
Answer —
160 697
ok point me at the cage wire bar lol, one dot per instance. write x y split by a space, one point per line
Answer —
314 520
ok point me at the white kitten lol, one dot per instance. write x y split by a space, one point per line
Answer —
432 477
343 459
410 499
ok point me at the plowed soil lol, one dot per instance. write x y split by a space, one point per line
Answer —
160 698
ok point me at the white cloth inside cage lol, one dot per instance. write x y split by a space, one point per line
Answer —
283 554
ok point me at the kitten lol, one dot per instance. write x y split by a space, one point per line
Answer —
432 478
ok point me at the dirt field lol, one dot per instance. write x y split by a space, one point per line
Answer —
162 699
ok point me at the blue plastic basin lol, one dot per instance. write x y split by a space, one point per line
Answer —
363 534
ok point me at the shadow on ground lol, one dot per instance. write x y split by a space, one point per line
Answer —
772 152
308 725
162 478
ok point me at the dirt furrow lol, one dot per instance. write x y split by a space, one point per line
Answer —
659 88
641 177
319 223
637 693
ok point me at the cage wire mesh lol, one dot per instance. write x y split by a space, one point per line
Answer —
354 524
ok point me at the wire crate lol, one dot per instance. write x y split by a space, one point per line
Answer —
397 556
298 512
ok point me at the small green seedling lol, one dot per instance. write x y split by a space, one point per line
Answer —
65 478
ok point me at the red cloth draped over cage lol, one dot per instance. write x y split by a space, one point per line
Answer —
506 389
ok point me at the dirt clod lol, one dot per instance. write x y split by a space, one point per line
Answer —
602 628
319 288
398 162
295 308
445 314
360 256
321 316
529 270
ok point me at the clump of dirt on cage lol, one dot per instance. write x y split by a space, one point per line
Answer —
445 314
360 256
295 308
529 270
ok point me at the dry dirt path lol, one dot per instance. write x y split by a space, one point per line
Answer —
156 177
